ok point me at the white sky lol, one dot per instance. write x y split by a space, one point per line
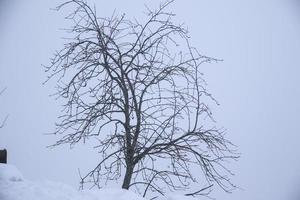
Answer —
257 85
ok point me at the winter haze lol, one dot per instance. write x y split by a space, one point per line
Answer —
257 86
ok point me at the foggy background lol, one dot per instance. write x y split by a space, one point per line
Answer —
257 86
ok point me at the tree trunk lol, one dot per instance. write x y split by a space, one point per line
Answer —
127 178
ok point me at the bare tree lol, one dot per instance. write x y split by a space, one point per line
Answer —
136 86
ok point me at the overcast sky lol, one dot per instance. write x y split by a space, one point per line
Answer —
257 86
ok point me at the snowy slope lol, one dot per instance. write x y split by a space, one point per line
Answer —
14 187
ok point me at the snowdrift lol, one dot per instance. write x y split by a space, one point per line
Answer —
14 187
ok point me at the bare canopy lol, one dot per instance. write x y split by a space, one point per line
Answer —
136 87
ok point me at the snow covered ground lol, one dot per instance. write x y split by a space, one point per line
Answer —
13 186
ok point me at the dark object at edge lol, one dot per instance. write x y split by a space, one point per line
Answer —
3 156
